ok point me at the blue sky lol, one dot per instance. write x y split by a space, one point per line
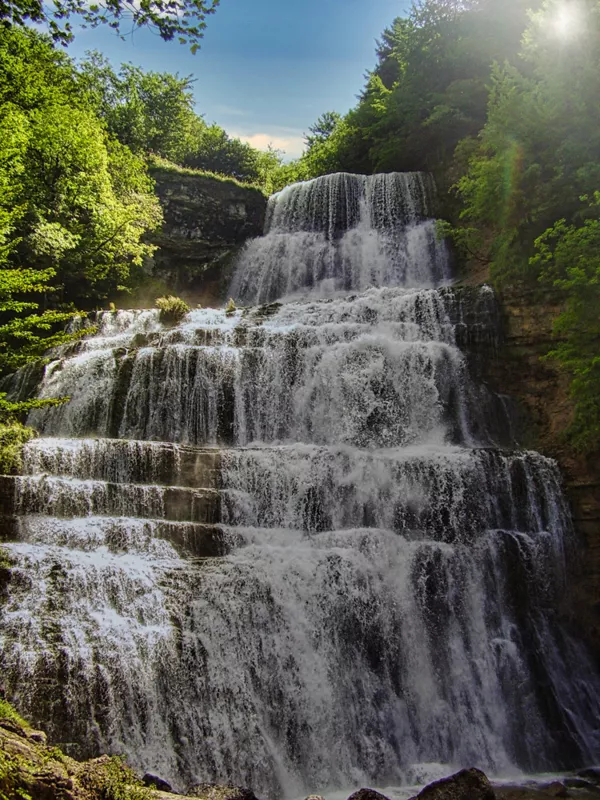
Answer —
267 68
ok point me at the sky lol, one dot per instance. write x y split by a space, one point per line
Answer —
266 69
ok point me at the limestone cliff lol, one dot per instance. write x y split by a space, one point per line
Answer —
514 366
206 220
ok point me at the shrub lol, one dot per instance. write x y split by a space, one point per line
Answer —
172 309
231 307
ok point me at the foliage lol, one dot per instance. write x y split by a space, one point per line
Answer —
181 19
150 112
568 258
216 151
153 114
72 199
26 334
172 309
537 152
427 92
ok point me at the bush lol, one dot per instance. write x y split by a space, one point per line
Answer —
230 308
172 309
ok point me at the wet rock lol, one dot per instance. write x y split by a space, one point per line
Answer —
581 783
556 789
468 784
367 794
215 791
37 736
154 782
590 774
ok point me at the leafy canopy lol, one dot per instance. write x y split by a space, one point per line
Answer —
184 20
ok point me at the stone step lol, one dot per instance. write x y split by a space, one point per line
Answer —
71 497
119 534
124 461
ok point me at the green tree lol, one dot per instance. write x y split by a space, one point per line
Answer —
537 153
150 112
568 258
84 199
181 19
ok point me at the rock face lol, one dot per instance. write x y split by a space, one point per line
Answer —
514 366
206 222
468 784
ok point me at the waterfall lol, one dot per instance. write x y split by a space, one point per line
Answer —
344 232
293 546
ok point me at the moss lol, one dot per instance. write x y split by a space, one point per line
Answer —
10 778
172 309
112 779
13 435
7 712
6 561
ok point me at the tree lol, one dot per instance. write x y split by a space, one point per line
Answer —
150 112
84 200
181 19
568 258
322 128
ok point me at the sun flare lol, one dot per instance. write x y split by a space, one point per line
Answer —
567 21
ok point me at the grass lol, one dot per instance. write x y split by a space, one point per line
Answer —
7 712
161 163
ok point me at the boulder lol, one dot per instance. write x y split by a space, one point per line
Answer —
215 791
468 784
367 794
590 774
154 782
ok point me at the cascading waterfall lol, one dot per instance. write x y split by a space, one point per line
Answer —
283 547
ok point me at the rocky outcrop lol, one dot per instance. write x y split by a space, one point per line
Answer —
30 768
206 220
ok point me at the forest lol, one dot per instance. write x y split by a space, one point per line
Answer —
497 98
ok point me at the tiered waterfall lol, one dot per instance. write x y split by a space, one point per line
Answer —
292 547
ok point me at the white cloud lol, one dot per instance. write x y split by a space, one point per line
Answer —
288 140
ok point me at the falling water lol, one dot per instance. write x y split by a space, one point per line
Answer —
289 546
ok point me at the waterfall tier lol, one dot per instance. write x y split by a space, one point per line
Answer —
294 546
344 232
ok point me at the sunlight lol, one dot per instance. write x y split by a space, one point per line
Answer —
567 21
